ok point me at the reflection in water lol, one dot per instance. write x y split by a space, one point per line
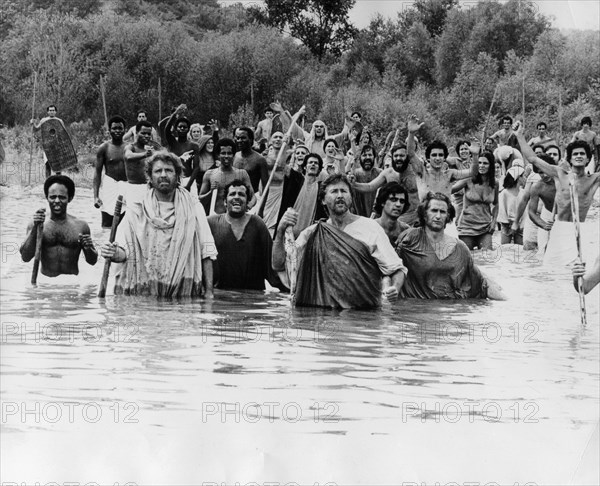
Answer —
244 386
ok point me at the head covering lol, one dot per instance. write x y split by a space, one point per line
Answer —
203 141
516 172
504 152
518 163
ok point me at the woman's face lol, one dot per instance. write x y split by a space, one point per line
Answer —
464 152
210 145
196 133
330 149
498 170
484 165
301 153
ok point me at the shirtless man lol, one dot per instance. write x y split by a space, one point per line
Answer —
561 248
64 236
588 136
220 177
135 162
264 127
176 134
391 203
437 178
249 160
402 170
129 137
111 158
543 190
543 138
502 136
363 201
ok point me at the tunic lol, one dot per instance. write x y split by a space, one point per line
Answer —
477 210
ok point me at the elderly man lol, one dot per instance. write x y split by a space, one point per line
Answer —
63 236
342 261
164 244
439 265
243 242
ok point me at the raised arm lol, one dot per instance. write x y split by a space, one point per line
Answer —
287 121
170 138
529 154
372 186
413 127
460 185
534 215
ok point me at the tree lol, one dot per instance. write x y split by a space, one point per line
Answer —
431 13
321 25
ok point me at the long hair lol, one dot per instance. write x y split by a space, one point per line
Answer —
490 177
424 206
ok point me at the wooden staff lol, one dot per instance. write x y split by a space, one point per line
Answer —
32 130
38 253
523 101
487 120
159 100
103 93
113 233
261 200
575 215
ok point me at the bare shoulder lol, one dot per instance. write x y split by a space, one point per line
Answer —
79 224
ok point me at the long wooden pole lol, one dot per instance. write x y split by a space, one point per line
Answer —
38 253
487 120
159 99
103 93
523 101
256 208
32 127
575 215
113 233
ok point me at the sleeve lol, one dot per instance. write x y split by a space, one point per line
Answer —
209 249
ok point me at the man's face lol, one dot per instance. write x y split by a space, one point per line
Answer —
399 158
356 117
553 152
541 130
337 198
52 112
58 199
489 144
277 140
579 158
236 201
116 131
436 215
242 140
164 177
268 114
145 135
463 152
319 129
394 205
506 125
312 166
539 151
367 159
226 156
141 117
437 158
182 129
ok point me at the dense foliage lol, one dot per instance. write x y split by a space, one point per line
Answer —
436 59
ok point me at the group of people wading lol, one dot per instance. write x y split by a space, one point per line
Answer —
327 216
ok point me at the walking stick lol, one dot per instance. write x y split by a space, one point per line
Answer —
32 128
38 254
575 215
261 200
103 93
111 239
487 120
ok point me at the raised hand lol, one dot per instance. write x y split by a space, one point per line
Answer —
414 124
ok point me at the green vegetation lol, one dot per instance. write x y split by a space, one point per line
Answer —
435 59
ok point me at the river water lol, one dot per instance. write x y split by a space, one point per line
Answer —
245 389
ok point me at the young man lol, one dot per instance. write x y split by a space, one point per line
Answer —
129 137
136 155
165 243
243 242
503 135
325 277
391 203
110 176
249 160
439 265
64 236
544 190
438 177
561 249
219 178
265 126
590 137
542 138
176 134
